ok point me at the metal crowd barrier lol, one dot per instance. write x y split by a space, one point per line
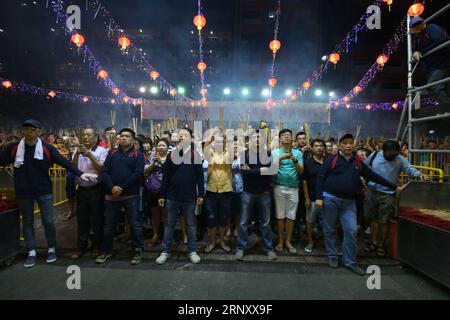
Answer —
58 177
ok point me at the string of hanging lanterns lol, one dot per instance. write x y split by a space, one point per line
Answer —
88 57
138 55
200 23
274 46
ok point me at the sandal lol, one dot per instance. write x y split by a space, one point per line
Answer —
225 248
292 250
210 247
279 248
381 252
370 248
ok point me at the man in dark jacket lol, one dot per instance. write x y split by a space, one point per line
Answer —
32 159
337 185
182 188
425 38
122 172
257 184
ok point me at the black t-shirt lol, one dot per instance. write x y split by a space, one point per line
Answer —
310 172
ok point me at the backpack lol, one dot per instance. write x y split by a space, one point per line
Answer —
357 162
47 152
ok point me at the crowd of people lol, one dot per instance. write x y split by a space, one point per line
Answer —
223 184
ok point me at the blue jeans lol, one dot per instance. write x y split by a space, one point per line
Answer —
249 201
439 91
345 211
112 214
188 210
26 207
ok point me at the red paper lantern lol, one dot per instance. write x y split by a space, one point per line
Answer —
395 106
416 9
272 82
113 101
284 102
173 92
275 45
77 39
335 57
306 85
382 60
52 94
7 84
368 107
347 106
203 91
85 99
154 75
124 42
126 99
116 91
293 97
357 90
201 66
102 74
336 104
346 99
200 22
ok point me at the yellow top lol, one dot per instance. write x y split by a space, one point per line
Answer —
219 174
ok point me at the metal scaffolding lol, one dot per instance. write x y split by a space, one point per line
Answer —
410 130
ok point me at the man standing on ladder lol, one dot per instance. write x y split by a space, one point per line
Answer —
425 38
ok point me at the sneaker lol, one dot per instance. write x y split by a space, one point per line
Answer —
102 258
51 257
333 263
194 257
239 255
309 247
137 259
272 255
356 269
162 258
30 262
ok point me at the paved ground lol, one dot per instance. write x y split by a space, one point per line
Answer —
217 277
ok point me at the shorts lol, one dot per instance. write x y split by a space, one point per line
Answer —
286 202
380 206
218 206
312 213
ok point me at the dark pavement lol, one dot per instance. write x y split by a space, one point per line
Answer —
218 276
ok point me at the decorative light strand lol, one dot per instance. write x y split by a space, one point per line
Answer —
138 54
16 87
378 65
88 56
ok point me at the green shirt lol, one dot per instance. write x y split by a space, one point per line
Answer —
287 175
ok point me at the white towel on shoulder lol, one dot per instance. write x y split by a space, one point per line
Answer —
20 155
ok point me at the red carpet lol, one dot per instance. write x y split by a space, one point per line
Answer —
424 218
